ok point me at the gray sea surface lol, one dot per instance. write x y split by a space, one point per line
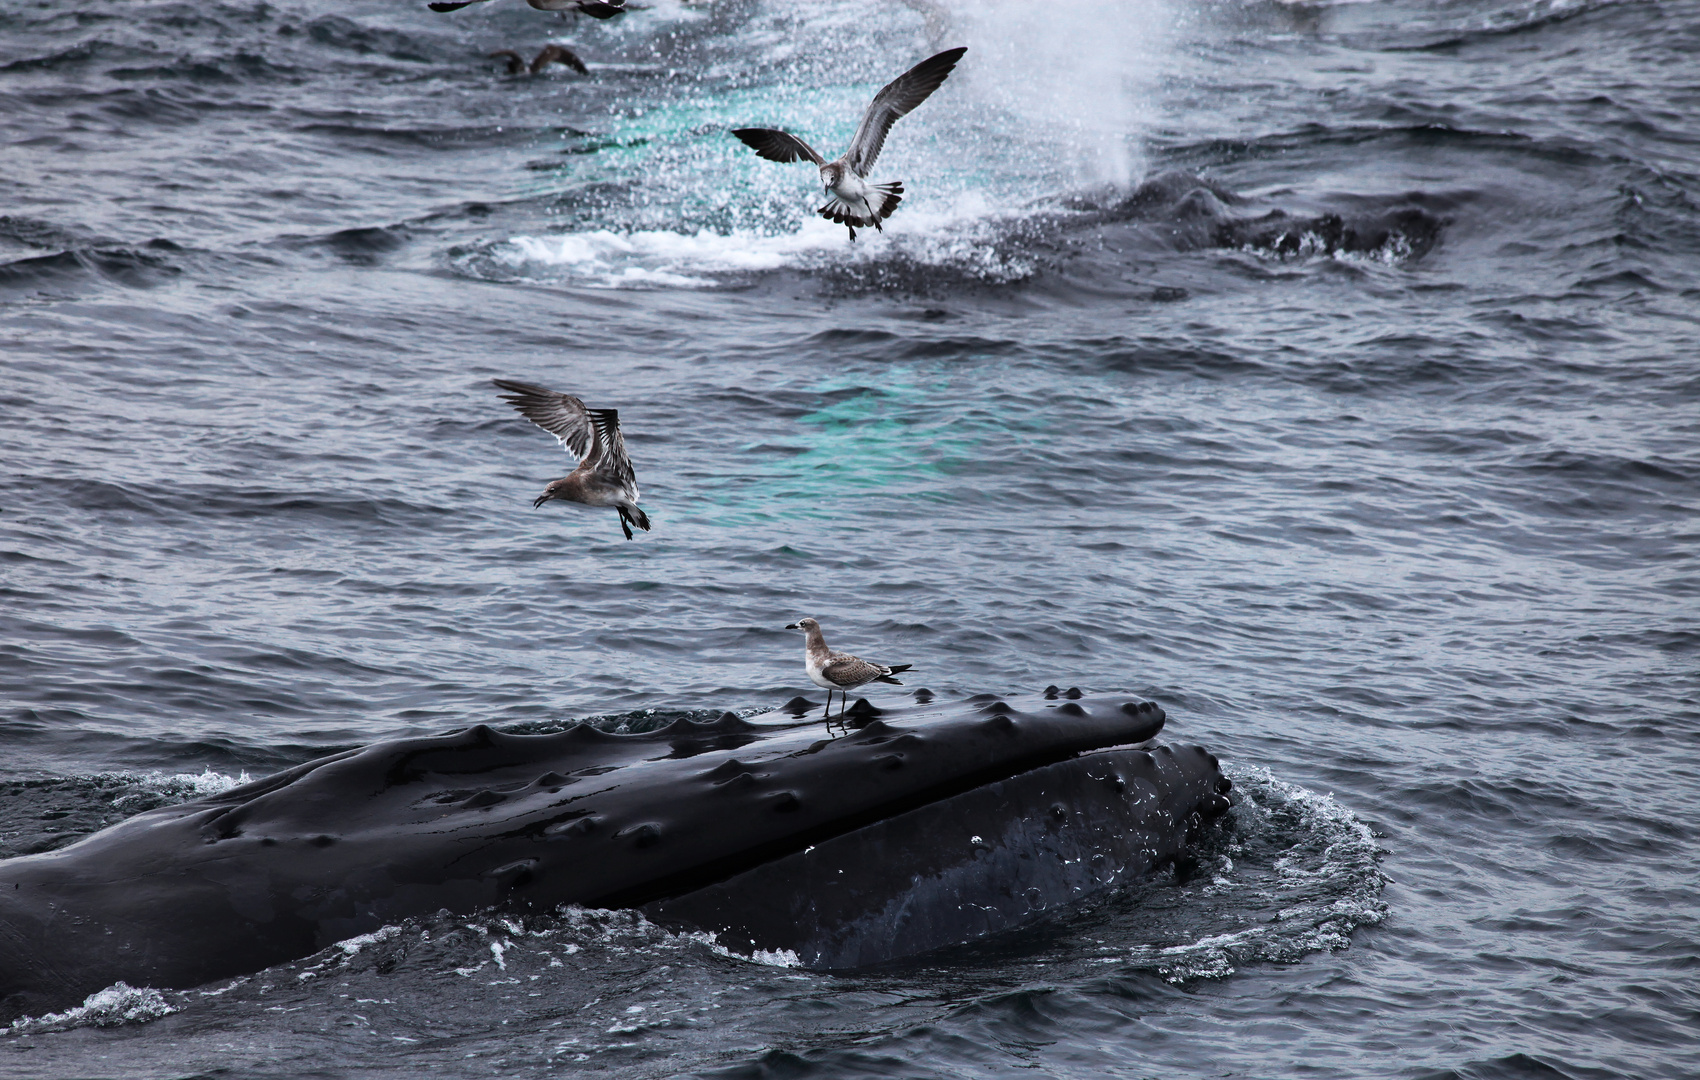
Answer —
1324 372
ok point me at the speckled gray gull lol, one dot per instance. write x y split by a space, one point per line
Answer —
839 671
604 476
551 54
855 202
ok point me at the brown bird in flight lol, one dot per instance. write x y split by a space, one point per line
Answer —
604 476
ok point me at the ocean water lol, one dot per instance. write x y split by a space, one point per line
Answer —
1325 372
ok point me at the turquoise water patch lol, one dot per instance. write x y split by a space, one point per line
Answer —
890 442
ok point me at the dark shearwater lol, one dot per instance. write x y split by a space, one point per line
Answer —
839 671
551 54
596 9
854 201
604 475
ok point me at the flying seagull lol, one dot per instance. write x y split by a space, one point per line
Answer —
855 201
551 54
604 475
836 670
596 9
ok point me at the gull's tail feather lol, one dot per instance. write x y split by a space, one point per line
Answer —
842 213
630 516
872 212
893 670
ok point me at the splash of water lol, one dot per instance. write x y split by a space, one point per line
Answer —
118 1004
1076 78
1051 98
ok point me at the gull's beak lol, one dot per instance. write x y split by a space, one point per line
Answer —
792 626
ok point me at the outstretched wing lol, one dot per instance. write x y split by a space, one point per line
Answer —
561 415
777 145
896 99
453 6
609 453
558 54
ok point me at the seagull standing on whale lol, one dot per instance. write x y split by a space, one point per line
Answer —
604 475
836 670
854 201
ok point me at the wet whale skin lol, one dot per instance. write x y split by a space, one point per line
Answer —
988 860
693 822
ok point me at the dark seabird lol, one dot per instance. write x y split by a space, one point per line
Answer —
854 201
604 475
551 54
596 9
836 670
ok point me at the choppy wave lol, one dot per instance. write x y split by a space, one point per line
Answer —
118 1004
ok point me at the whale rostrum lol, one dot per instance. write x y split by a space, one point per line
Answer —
927 826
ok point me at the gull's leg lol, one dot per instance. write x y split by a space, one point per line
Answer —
875 217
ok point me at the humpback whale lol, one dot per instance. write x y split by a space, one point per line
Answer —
925 826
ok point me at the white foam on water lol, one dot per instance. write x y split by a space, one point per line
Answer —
959 235
119 1003
779 958
353 945
659 257
1327 882
1395 250
156 788
193 785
